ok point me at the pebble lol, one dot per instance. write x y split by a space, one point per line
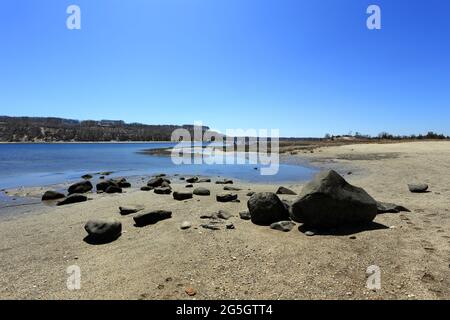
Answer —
309 233
190 292
185 225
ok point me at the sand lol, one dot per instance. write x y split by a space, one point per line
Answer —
161 261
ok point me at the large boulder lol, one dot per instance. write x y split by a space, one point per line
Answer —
103 231
152 217
80 187
266 208
52 195
74 198
329 201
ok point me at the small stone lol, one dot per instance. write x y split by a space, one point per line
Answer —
352 237
418 188
185 225
245 215
210 226
200 191
182 195
309 233
229 188
284 226
226 197
124 210
283 190
190 291
230 226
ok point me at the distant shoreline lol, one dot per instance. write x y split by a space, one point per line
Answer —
85 142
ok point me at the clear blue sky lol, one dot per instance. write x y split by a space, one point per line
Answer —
305 67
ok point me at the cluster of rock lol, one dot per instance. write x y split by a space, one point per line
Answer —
76 191
327 202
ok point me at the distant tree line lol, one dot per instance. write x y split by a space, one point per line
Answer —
34 129
387 136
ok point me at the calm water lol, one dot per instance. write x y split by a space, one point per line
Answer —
46 164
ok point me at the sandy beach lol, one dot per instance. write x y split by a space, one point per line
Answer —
39 242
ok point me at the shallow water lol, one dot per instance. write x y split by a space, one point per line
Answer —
45 164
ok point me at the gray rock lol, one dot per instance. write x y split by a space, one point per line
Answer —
189 186
155 182
152 217
185 225
229 188
102 231
200 191
124 210
309 233
103 185
86 176
74 198
225 181
230 226
249 194
329 201
160 190
177 195
221 214
146 188
266 208
80 187
226 197
211 226
283 190
165 184
284 226
418 188
192 180
52 195
204 180
245 215
385 207
113 189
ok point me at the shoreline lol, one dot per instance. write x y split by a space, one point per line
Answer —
248 262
